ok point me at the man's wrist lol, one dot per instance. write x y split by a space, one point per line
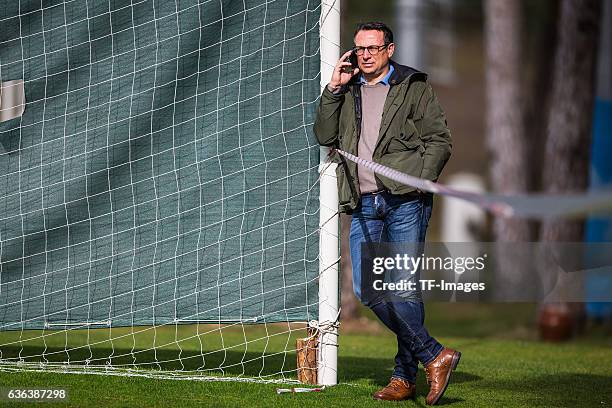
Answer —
335 89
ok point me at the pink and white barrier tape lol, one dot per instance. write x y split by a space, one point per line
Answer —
523 206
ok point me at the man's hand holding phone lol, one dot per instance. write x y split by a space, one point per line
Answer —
343 72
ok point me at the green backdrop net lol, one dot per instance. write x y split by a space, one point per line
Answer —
164 171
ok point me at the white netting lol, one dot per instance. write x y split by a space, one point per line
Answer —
159 193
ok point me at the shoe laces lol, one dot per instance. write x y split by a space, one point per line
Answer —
395 383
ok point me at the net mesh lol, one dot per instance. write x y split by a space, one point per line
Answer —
159 192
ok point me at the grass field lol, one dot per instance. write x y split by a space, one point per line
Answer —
502 365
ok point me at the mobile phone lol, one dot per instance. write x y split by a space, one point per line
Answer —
352 58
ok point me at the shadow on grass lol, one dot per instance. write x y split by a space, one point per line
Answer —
561 390
557 390
552 390
208 362
376 371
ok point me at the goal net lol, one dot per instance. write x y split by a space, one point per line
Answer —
159 194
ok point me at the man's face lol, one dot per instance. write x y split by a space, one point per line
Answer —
372 64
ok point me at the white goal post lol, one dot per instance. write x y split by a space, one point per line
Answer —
327 366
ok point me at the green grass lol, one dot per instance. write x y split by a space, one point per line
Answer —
502 365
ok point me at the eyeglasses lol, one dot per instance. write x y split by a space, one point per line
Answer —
372 49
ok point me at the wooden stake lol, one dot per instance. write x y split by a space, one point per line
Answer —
307 358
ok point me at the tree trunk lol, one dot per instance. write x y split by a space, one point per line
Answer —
505 117
566 163
538 90
506 137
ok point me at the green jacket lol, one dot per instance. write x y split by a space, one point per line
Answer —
413 136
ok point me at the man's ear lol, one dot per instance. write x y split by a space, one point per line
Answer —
391 49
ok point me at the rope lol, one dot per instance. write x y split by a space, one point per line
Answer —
325 327
536 206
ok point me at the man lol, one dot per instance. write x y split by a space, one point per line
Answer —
388 113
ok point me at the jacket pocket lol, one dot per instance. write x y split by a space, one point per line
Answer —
406 140
344 187
410 163
404 154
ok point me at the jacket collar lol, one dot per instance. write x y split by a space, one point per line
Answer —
403 72
399 74
384 80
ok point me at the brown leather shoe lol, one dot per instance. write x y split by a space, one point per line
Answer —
398 389
438 374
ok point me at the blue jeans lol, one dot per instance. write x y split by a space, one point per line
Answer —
387 218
